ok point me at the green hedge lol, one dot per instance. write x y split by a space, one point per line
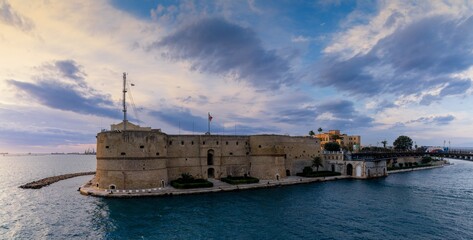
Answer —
319 174
194 183
239 180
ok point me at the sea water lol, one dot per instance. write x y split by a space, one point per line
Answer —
428 204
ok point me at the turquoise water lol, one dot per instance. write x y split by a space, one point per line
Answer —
430 204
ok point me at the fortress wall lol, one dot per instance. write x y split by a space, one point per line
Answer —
176 172
131 179
131 160
298 151
267 167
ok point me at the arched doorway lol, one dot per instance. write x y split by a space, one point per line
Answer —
211 173
349 169
333 168
210 157
358 170
288 173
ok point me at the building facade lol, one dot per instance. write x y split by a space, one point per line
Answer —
350 142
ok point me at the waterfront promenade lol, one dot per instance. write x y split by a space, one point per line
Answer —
218 186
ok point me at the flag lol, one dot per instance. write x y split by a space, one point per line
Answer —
210 117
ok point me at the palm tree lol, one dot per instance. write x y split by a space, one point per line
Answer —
311 133
317 162
319 130
384 143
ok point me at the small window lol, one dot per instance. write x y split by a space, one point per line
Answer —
123 153
170 142
217 142
142 146
107 146
157 154
231 153
236 143
247 153
182 142
203 142
192 142
259 146
226 143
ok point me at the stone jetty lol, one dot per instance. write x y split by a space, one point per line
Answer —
49 180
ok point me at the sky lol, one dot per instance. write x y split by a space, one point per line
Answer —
379 69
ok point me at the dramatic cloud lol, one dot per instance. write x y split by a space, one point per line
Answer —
66 96
10 17
185 120
342 115
414 58
337 114
70 69
219 47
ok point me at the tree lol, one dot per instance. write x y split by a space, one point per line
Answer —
332 147
319 130
317 162
311 133
335 137
426 159
384 143
403 143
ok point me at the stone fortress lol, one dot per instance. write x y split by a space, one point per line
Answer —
139 157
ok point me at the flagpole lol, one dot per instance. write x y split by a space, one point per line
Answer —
208 120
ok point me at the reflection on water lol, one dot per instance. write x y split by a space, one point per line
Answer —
430 204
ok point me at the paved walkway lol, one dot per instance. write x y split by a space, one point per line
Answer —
219 186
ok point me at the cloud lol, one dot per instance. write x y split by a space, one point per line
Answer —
335 114
437 120
418 57
185 120
9 16
66 96
70 69
44 137
342 115
216 46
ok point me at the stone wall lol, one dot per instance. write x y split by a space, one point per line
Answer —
146 159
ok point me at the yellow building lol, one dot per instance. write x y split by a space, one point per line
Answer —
351 143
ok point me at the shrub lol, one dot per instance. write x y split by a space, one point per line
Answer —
187 181
416 164
307 170
400 165
239 180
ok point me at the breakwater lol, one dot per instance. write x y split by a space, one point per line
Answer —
50 180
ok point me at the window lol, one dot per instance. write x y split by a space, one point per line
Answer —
123 153
210 157
170 142
107 146
182 142
142 146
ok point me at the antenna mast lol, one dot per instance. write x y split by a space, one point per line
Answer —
124 101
